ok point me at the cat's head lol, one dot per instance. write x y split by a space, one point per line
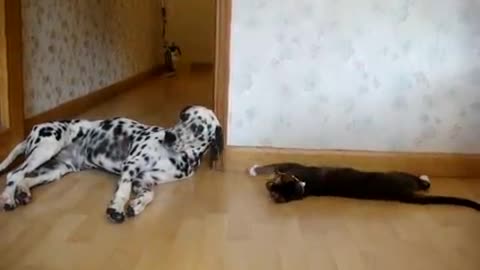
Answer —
285 187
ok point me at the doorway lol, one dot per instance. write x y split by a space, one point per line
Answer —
11 72
11 80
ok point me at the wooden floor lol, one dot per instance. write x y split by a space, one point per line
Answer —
224 220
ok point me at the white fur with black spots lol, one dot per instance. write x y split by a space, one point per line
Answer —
142 155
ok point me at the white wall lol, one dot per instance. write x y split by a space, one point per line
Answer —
191 24
396 75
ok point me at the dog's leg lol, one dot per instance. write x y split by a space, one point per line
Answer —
51 171
143 195
116 209
41 154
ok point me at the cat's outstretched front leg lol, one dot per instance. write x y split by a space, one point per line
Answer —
274 168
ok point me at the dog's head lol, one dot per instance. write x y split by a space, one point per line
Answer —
285 187
198 128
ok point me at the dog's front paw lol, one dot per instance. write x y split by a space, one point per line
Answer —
7 203
115 216
130 211
22 195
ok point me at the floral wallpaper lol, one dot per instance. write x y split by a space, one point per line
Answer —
74 47
381 75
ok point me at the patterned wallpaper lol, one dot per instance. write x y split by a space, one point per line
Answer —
398 75
73 47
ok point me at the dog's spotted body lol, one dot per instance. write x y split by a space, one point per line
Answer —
143 156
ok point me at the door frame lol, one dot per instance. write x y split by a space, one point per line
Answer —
14 50
222 62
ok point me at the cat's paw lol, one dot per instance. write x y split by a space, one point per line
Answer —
425 178
252 171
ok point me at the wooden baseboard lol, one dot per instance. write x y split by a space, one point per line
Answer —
77 106
238 159
201 66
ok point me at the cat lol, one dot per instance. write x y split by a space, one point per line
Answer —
172 55
294 181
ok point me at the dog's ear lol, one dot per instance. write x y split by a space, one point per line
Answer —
184 116
216 148
170 138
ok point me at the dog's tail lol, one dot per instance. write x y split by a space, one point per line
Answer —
445 200
217 146
18 150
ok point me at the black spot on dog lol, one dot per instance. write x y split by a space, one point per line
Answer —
45 132
37 140
146 158
117 131
173 161
10 183
130 173
184 117
133 149
170 138
106 125
102 147
80 134
136 184
58 134
94 134
193 128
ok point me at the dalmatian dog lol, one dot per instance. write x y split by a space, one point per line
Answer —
141 155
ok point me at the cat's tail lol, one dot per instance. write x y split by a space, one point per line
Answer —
271 168
445 200
18 150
